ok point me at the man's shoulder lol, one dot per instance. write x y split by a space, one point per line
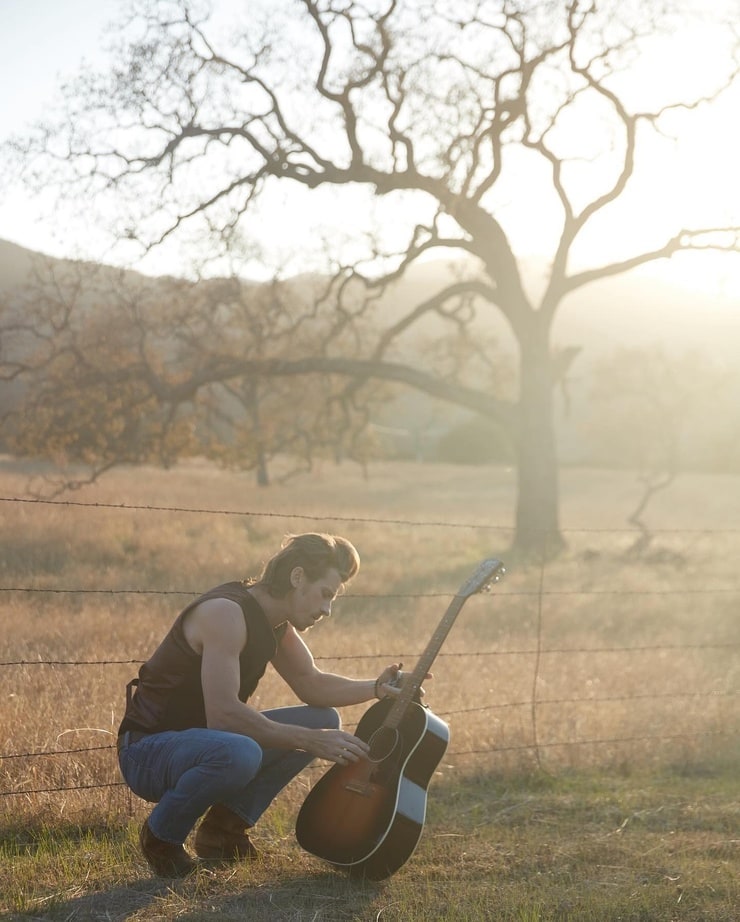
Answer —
235 590
215 621
232 593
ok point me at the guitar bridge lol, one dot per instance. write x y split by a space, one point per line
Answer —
358 787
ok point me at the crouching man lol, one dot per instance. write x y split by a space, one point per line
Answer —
191 743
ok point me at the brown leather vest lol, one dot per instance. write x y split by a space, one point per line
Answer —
169 695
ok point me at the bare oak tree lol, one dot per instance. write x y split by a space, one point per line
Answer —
437 105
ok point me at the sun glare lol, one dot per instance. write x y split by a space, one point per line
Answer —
685 178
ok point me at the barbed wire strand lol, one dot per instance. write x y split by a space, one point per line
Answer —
608 699
454 753
331 517
544 651
711 590
133 507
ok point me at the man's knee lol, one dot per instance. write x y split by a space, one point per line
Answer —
329 718
241 757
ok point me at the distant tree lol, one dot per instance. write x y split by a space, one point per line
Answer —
72 337
447 110
117 368
246 420
642 407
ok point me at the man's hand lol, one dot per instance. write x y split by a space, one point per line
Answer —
391 681
337 746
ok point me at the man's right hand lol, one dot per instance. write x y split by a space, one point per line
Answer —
337 746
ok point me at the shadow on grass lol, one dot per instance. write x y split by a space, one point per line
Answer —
118 902
84 872
228 895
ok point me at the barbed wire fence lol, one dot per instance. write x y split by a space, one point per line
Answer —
539 651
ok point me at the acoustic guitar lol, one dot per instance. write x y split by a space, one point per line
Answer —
367 817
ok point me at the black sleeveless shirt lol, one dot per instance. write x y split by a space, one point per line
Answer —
169 695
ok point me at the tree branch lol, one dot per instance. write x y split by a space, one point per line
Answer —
685 241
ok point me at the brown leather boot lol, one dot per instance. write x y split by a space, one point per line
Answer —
222 836
165 858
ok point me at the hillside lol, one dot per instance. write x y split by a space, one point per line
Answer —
634 311
631 310
15 265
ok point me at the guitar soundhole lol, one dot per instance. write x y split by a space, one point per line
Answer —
382 743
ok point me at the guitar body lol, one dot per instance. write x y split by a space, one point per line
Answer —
368 816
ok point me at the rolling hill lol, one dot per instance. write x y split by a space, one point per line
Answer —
634 311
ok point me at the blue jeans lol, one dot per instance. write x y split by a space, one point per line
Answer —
186 771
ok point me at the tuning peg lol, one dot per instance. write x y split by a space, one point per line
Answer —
494 579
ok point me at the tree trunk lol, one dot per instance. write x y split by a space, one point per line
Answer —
537 517
252 403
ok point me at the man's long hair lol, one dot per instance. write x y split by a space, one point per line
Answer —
316 553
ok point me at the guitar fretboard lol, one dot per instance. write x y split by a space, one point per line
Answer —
413 683
488 571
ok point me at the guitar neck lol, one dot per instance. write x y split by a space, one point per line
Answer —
489 571
414 681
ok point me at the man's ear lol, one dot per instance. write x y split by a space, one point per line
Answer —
296 575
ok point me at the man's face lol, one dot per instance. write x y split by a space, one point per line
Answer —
311 601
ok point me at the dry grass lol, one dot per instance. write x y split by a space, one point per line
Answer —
642 653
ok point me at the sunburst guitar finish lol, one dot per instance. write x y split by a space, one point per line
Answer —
367 817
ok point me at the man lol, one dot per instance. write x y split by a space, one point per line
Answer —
191 743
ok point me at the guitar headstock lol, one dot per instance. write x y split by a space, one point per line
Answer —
487 573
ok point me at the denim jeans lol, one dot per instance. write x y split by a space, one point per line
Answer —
186 771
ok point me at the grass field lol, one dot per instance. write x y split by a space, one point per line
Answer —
593 702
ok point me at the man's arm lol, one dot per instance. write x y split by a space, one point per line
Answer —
218 632
295 664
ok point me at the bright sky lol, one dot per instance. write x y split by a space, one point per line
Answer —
43 41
